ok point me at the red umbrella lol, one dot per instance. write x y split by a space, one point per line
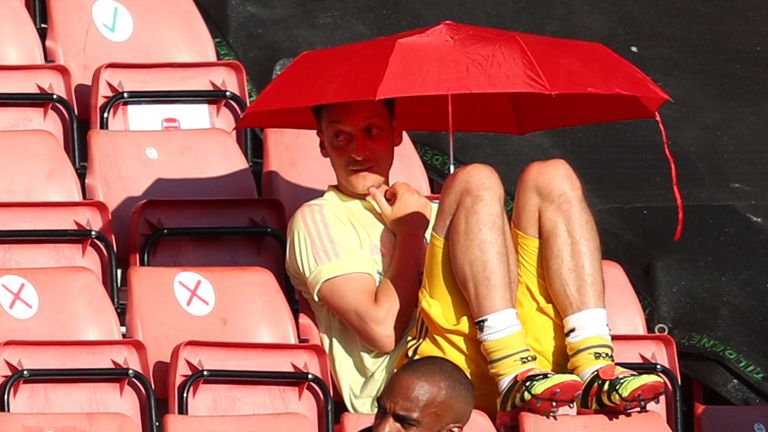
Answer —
457 77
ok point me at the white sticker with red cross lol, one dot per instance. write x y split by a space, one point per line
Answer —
112 19
194 293
18 297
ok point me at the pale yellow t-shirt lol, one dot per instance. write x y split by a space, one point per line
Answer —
332 236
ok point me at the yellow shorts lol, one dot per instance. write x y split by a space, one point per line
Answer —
445 327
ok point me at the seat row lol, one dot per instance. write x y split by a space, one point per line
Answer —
198 337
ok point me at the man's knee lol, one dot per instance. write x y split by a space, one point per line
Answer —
476 181
550 179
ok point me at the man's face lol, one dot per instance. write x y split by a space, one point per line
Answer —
407 404
359 138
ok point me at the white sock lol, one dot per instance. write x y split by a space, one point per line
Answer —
497 324
586 323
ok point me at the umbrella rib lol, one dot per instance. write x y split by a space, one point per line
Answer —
386 68
536 64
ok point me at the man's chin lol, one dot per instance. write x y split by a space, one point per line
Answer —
360 187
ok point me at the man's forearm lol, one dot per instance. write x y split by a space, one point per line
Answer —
404 277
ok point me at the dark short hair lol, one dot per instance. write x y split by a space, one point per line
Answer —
317 110
440 369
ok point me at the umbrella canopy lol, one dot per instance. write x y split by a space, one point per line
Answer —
457 77
495 80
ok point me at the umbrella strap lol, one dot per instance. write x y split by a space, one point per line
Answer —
673 171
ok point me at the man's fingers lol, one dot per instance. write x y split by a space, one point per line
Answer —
379 199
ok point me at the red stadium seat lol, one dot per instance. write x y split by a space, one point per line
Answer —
116 386
234 304
19 42
625 314
294 171
126 167
44 103
636 422
155 113
83 35
21 220
716 418
36 168
67 422
58 325
350 422
230 396
295 422
651 348
263 249
32 301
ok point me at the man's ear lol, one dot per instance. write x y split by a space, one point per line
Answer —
398 135
321 142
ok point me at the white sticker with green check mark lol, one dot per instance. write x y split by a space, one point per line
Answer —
113 20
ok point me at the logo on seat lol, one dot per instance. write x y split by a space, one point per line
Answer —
18 297
194 293
112 19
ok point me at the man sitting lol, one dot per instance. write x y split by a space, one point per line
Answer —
508 303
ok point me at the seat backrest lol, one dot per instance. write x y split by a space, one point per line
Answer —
37 79
36 168
625 314
236 397
126 167
77 395
656 348
354 422
67 422
19 42
90 215
84 34
235 304
294 171
714 418
635 422
113 78
252 249
258 422
32 303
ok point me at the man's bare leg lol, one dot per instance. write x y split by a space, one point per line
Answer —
550 206
473 221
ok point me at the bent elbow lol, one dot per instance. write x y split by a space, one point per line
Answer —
382 340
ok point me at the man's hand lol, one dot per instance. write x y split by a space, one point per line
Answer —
404 210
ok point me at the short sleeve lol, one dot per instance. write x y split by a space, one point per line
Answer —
322 244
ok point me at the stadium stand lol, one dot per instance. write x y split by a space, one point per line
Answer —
278 374
67 422
19 43
39 97
58 234
83 35
203 181
255 230
36 168
68 359
636 422
116 84
127 167
232 304
211 423
32 300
